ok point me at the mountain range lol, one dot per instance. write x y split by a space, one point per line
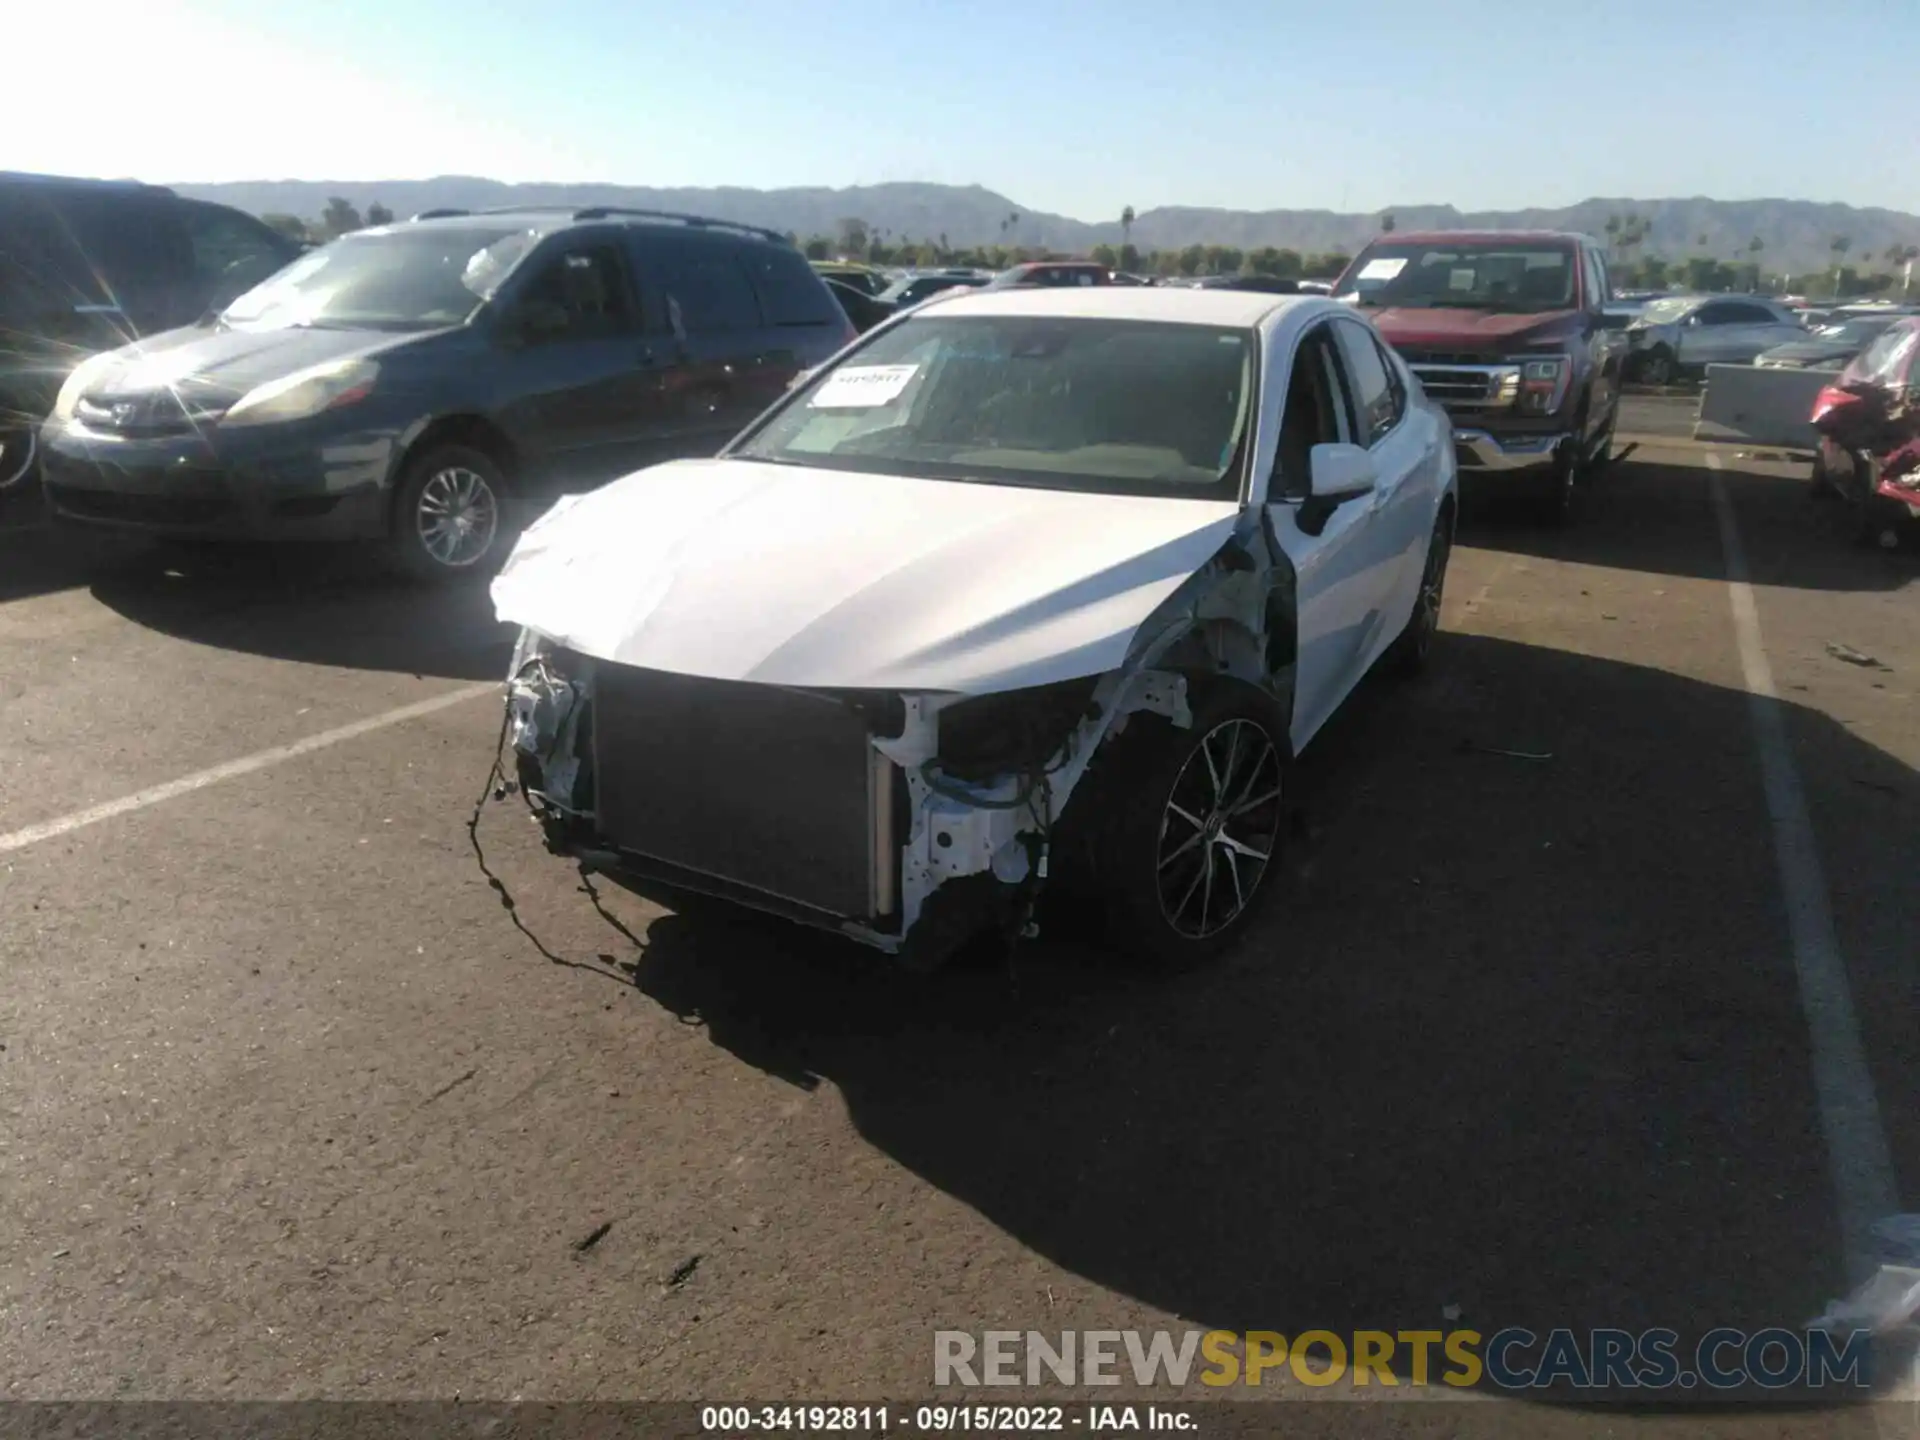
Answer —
1794 234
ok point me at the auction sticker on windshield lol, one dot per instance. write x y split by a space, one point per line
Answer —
1384 268
859 386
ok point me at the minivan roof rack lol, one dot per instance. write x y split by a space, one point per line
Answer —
613 212
699 222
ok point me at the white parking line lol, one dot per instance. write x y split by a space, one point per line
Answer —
1857 1155
233 769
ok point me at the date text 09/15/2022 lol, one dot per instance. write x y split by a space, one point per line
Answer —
940 1419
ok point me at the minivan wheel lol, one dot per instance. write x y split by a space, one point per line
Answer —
1191 825
450 515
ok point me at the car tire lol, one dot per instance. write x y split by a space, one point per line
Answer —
1557 500
1601 456
1821 486
1658 367
451 514
1156 779
1413 647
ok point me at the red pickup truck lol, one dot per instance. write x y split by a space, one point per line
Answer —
1506 329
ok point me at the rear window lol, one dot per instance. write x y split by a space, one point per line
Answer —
706 287
790 292
1885 361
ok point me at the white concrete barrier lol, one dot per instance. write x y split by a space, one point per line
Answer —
1763 406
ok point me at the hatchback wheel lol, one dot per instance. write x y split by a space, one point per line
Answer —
1658 367
1190 822
450 516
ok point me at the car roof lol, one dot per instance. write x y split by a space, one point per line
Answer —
1477 237
1247 308
77 182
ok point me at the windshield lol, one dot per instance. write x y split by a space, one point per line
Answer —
1857 332
418 278
1665 312
1505 276
1119 407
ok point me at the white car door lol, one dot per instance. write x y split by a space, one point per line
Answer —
1407 462
1338 579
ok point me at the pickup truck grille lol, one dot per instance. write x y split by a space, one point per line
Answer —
1465 383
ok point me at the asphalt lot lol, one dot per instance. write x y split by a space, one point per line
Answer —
292 1109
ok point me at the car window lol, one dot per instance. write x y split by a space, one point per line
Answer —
1603 282
588 285
1718 313
63 249
1749 314
1374 402
1885 362
229 247
708 288
1315 413
1104 405
790 294
1516 275
412 277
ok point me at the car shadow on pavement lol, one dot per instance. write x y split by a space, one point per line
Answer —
1518 1043
321 605
1645 515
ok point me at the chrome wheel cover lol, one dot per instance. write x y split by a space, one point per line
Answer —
1218 829
457 517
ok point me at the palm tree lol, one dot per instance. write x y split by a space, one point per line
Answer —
1126 226
1839 245
1386 223
1612 228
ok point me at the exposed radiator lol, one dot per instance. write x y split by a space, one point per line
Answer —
768 788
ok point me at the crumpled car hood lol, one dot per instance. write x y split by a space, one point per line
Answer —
786 575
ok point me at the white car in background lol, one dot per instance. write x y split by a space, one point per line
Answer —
1026 586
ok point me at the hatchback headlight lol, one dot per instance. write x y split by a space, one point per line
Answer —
297 397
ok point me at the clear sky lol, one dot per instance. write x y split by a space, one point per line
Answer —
1075 108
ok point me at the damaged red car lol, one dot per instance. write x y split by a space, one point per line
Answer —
1868 420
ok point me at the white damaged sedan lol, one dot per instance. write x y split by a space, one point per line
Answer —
1024 589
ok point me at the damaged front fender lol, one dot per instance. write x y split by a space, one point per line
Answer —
966 791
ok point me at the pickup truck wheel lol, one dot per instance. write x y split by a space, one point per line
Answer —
1191 824
1559 495
1602 453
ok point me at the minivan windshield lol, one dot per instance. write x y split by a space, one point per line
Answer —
1509 276
1122 407
406 278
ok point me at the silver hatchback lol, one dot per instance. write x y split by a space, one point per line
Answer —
1687 332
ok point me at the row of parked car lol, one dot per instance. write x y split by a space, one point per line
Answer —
424 384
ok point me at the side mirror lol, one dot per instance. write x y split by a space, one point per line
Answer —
1340 473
